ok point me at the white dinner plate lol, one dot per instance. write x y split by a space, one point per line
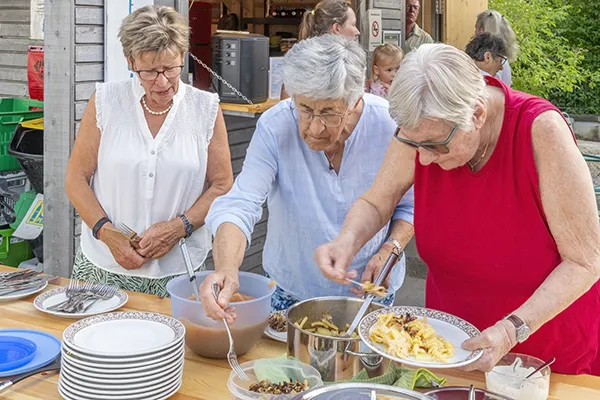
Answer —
122 360
122 368
123 378
453 329
69 394
125 334
107 391
22 293
121 387
55 296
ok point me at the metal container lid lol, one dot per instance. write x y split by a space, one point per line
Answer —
463 393
360 391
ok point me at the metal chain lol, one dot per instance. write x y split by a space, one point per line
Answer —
222 80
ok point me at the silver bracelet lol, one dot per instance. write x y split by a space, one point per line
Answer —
396 244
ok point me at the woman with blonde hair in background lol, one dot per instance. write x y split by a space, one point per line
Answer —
385 65
328 16
495 23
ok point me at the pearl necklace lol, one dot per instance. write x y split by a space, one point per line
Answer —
155 112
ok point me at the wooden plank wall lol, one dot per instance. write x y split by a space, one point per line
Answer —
89 65
392 14
14 42
240 130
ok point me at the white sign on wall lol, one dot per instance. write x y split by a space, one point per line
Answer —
375 28
36 27
115 64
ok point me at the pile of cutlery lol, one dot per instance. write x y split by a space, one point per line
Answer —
21 280
81 296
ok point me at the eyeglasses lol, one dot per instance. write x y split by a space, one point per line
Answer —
413 6
504 60
435 147
329 119
152 74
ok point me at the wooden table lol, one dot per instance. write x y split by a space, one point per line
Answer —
207 379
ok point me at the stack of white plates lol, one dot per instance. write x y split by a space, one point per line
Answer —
122 355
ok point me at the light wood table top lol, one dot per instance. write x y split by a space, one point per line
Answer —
207 379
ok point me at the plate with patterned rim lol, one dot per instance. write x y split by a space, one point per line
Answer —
272 333
55 296
126 334
21 294
454 329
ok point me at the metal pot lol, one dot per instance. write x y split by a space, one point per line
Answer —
337 359
360 391
464 393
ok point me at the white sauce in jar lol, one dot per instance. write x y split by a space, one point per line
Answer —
509 380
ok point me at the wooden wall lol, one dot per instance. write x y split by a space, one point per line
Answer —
459 20
14 41
89 65
239 132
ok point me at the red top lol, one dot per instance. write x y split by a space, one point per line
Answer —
486 241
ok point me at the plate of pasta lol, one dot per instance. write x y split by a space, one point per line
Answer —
419 337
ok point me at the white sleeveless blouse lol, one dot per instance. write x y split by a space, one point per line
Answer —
141 180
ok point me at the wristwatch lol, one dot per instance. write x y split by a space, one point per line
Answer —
189 228
523 331
397 245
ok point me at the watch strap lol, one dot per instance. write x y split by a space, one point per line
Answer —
98 225
397 245
189 228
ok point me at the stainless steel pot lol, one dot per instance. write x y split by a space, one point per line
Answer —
360 391
337 359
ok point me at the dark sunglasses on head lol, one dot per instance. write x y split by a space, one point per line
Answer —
435 147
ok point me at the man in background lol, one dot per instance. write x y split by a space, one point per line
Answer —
415 36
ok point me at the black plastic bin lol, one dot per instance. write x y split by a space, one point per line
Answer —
27 146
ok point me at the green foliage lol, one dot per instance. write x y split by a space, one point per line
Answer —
560 50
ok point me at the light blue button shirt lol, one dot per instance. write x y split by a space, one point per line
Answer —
307 201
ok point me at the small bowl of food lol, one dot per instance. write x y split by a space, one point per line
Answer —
508 378
273 379
277 327
207 337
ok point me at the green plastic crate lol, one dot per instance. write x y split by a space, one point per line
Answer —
12 112
13 251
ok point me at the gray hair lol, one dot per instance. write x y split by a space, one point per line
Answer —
326 67
493 22
440 83
156 29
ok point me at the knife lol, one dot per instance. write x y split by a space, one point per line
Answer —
53 366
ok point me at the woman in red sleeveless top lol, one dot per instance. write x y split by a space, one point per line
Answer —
505 211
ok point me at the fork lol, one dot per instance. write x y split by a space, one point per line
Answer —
130 233
106 293
231 356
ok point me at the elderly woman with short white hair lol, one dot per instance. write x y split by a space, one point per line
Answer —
310 158
505 212
151 154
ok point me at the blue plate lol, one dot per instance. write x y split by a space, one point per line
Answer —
15 352
48 348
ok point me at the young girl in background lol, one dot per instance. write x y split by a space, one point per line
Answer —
386 61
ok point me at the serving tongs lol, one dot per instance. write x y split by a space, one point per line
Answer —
395 255
188 265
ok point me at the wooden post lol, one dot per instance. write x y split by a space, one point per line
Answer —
58 133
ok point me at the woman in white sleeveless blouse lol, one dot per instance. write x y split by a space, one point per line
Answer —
151 153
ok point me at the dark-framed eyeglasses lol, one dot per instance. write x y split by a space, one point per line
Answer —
503 60
152 74
413 7
329 119
435 147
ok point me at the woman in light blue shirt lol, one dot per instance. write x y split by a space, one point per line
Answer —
310 158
